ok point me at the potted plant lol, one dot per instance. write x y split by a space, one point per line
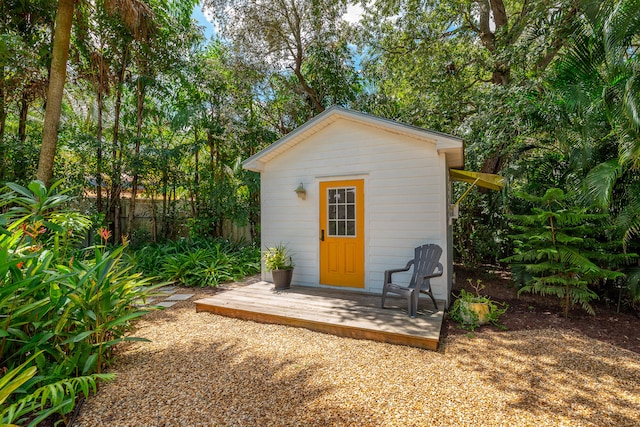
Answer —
473 309
278 261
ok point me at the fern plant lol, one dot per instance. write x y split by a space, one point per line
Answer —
557 253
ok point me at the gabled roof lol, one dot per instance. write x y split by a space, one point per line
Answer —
449 144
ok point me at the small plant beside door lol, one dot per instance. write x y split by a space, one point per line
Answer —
278 261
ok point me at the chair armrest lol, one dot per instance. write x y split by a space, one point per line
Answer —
388 273
437 273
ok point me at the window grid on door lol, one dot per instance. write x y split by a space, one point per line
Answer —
341 218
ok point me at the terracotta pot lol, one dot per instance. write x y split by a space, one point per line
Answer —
481 310
282 278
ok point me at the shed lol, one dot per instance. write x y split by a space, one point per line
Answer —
374 189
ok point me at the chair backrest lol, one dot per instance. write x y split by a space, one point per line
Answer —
425 261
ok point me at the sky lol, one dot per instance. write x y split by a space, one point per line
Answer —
199 16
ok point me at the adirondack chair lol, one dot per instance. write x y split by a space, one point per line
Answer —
426 265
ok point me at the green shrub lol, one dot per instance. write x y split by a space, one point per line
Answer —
203 262
62 309
470 317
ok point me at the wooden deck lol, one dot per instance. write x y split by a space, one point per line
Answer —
332 311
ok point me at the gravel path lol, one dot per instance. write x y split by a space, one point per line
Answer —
206 370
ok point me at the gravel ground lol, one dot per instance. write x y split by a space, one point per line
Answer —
206 370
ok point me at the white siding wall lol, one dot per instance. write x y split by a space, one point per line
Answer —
405 198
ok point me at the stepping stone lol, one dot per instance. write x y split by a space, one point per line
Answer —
166 304
141 303
166 289
179 297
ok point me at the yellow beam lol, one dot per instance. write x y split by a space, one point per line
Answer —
466 192
485 180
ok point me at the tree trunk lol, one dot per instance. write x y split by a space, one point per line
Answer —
99 150
196 178
61 40
254 217
140 93
315 100
3 120
19 162
116 151
154 218
211 142
493 12
24 111
567 301
165 180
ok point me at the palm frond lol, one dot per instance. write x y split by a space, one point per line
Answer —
631 101
600 181
629 220
633 283
620 25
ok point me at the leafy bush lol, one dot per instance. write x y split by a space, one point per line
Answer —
62 308
203 262
471 310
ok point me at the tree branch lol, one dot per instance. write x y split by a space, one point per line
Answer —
557 44
499 13
487 38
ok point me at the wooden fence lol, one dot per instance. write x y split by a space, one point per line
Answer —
177 225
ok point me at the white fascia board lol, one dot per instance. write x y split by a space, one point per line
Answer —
254 165
454 156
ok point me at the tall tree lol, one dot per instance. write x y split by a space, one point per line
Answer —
134 20
434 63
282 34
25 35
57 78
135 15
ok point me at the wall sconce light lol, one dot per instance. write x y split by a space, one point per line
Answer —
301 192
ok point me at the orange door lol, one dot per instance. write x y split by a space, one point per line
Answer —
342 233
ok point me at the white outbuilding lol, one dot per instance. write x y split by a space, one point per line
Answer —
351 195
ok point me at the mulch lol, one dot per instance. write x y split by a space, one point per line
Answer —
536 312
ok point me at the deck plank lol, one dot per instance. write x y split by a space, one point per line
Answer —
333 311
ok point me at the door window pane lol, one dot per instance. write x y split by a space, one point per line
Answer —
332 212
351 228
351 195
351 212
341 207
332 228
